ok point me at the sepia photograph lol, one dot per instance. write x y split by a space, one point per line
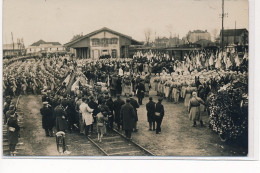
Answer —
129 79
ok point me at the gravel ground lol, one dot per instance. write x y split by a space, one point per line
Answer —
178 137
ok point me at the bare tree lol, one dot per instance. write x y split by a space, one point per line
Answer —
147 34
75 37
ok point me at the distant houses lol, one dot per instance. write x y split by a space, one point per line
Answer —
14 49
45 47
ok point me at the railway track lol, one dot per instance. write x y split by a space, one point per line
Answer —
116 144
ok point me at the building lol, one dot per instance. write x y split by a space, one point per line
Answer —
45 47
234 36
161 42
196 35
102 42
13 49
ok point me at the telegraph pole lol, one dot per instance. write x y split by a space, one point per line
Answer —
222 33
12 42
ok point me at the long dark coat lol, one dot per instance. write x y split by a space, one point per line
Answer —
47 118
140 90
117 108
159 108
134 103
61 124
128 116
13 136
150 107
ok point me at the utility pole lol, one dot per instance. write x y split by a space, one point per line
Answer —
235 32
222 33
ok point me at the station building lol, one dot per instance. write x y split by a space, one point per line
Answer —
102 42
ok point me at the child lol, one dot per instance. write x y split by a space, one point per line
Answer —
100 124
13 132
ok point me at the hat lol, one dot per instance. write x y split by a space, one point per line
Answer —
160 99
150 98
44 103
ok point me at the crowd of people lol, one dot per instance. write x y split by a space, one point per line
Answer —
78 94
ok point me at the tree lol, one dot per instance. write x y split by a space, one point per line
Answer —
75 37
147 34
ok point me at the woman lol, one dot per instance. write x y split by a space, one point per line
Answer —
187 95
13 132
194 109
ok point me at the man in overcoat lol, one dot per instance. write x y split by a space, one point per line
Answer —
118 103
150 107
128 117
159 114
47 119
134 103
140 92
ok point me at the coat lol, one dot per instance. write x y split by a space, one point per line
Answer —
140 90
13 135
61 123
159 108
86 112
128 116
117 108
150 107
47 118
194 108
134 103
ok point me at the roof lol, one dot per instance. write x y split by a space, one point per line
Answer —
100 30
38 43
232 32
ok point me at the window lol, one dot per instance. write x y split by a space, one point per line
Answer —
95 42
114 40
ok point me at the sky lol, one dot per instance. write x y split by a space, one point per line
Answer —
60 20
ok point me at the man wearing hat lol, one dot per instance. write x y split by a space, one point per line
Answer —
128 117
118 103
47 119
140 92
159 114
150 107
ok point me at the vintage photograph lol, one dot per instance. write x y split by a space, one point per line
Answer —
138 78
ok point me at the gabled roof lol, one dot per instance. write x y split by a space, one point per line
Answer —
38 43
232 32
101 30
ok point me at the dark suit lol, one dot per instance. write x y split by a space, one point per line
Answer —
140 92
47 120
150 107
158 119
134 103
61 123
117 108
128 118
